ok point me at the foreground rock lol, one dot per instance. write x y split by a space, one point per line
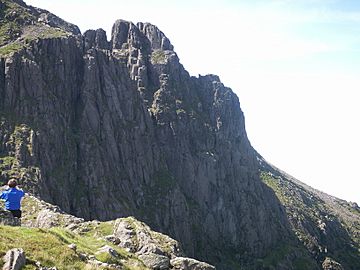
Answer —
189 264
137 237
14 259
156 250
155 261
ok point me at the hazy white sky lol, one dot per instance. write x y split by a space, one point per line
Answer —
295 66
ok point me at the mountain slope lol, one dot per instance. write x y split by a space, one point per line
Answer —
107 129
327 226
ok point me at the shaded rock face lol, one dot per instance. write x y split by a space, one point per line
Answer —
6 218
108 129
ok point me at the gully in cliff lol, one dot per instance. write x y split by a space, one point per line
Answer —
12 197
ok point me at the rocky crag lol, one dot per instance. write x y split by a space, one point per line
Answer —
50 239
108 129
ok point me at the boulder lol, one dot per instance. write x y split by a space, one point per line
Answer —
330 264
14 259
181 263
155 261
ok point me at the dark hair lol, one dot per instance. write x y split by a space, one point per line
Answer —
12 183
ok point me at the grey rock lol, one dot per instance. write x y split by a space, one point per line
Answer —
48 218
72 246
155 261
54 21
120 33
107 133
108 249
157 38
96 39
113 239
330 264
181 263
140 239
6 218
14 259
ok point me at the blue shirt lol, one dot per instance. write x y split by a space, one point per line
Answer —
12 197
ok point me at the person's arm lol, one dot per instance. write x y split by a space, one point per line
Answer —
2 196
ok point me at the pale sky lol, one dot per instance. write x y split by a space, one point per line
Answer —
295 66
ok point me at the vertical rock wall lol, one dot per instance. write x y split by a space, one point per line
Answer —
111 129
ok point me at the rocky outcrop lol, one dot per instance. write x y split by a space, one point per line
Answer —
96 39
190 264
139 238
330 264
14 259
39 214
133 245
6 218
156 250
155 261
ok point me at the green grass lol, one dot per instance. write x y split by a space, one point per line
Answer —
7 30
41 33
18 27
10 48
39 245
158 57
7 162
14 17
50 247
9 167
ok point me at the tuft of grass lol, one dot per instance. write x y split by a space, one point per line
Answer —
158 57
7 162
39 245
10 48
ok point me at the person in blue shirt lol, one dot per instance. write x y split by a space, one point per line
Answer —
12 197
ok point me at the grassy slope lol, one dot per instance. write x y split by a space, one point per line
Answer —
50 247
19 26
326 226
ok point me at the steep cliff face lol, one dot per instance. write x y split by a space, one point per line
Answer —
107 129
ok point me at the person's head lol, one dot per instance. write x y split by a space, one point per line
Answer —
12 183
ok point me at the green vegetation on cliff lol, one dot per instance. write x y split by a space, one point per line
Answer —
323 224
19 25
